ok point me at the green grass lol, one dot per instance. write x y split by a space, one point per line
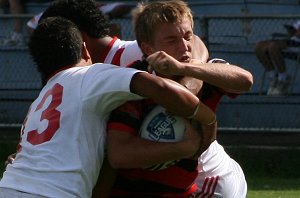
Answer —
270 173
273 194
260 187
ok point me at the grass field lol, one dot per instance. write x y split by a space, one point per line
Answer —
270 172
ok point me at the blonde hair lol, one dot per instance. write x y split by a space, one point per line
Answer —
146 17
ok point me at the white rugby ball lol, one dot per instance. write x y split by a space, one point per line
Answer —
159 126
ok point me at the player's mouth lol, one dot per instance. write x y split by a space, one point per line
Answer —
185 58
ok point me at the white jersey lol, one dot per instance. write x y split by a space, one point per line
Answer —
219 175
63 136
122 53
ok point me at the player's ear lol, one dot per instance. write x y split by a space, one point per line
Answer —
146 48
85 53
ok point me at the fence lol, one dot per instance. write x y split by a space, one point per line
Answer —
229 37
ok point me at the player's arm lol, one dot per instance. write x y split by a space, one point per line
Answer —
126 150
171 95
226 76
199 53
105 181
10 159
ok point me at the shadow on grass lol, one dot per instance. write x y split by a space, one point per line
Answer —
7 148
268 168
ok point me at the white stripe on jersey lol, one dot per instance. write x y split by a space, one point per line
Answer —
208 188
122 53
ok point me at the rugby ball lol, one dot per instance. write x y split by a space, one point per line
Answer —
159 126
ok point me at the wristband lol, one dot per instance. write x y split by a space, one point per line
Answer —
212 122
196 111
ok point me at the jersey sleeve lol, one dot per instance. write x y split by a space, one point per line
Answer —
106 86
122 53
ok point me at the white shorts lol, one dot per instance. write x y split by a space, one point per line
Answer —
219 175
10 193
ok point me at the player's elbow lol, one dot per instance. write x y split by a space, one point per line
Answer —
248 81
245 82
115 161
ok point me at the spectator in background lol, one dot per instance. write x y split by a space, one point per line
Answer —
109 10
15 7
269 53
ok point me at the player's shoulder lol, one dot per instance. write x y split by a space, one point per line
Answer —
125 43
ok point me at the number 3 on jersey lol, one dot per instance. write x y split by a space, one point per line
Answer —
51 114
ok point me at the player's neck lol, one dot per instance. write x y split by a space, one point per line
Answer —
97 47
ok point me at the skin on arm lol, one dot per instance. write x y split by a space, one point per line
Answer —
171 95
126 150
201 55
10 159
228 77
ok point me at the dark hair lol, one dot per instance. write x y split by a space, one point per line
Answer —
84 13
56 43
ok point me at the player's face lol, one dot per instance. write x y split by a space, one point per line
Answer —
175 39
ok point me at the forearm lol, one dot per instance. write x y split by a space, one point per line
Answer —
135 152
228 77
166 93
208 135
173 96
180 101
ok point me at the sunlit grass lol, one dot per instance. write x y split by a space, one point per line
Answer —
273 194
265 187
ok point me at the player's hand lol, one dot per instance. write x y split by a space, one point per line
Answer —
192 137
208 135
163 63
10 159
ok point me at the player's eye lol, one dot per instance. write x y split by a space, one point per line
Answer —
188 37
